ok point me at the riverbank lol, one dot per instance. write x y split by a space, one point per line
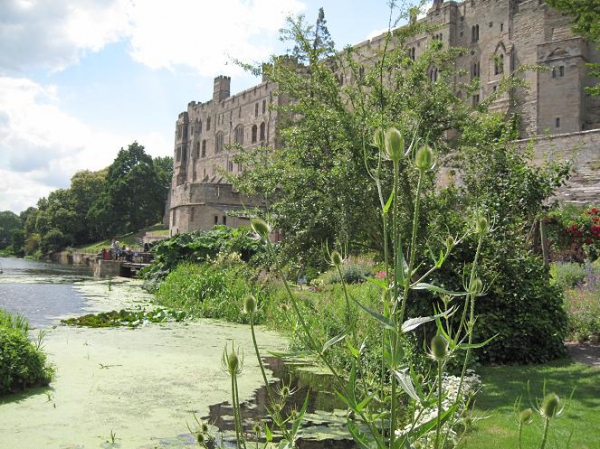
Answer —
140 385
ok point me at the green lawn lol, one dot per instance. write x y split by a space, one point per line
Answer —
132 240
503 385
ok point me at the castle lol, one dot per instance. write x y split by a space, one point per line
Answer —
500 36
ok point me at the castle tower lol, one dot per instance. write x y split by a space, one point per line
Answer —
222 88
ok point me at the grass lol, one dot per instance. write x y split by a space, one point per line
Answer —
504 385
132 239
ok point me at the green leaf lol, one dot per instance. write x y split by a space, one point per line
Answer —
424 428
359 437
365 402
355 353
386 208
436 289
385 321
333 341
476 345
268 433
413 323
406 384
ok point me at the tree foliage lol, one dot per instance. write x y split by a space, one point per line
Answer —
8 222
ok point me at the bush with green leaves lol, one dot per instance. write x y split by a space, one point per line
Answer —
568 274
22 364
197 247
207 290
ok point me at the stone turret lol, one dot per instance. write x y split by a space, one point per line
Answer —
222 88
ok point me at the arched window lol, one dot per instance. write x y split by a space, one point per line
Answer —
498 64
256 110
238 136
204 148
254 133
208 124
219 142
475 33
262 131
433 74
200 126
264 106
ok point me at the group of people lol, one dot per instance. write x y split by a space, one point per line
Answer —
117 252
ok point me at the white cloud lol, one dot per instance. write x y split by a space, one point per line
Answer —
41 146
164 33
206 35
54 34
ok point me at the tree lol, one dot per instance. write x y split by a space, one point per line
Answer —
586 21
164 170
8 222
132 197
86 188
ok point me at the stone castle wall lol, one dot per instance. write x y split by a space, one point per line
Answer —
501 37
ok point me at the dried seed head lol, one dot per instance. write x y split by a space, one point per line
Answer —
379 138
336 259
394 144
200 439
261 228
439 348
550 405
424 159
526 416
250 304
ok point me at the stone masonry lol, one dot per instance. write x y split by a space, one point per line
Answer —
500 36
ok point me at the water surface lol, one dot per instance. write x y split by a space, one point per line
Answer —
41 291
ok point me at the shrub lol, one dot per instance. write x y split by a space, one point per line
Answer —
568 274
525 313
22 364
207 290
583 310
354 269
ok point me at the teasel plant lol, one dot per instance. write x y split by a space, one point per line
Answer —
397 412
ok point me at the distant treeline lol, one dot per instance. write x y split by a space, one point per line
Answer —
128 195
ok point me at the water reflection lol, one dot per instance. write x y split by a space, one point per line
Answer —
322 430
41 291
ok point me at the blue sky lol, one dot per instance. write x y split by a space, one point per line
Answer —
79 79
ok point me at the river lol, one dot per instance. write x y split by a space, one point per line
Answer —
141 386
42 292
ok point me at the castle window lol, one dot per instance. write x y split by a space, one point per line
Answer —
216 219
475 99
196 150
262 131
178 157
191 130
204 148
411 53
475 70
475 33
254 133
256 110
361 72
200 126
238 136
224 220
433 75
208 124
192 213
561 70
264 106
240 112
498 64
491 24
219 143
239 167
557 122
230 166
501 27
